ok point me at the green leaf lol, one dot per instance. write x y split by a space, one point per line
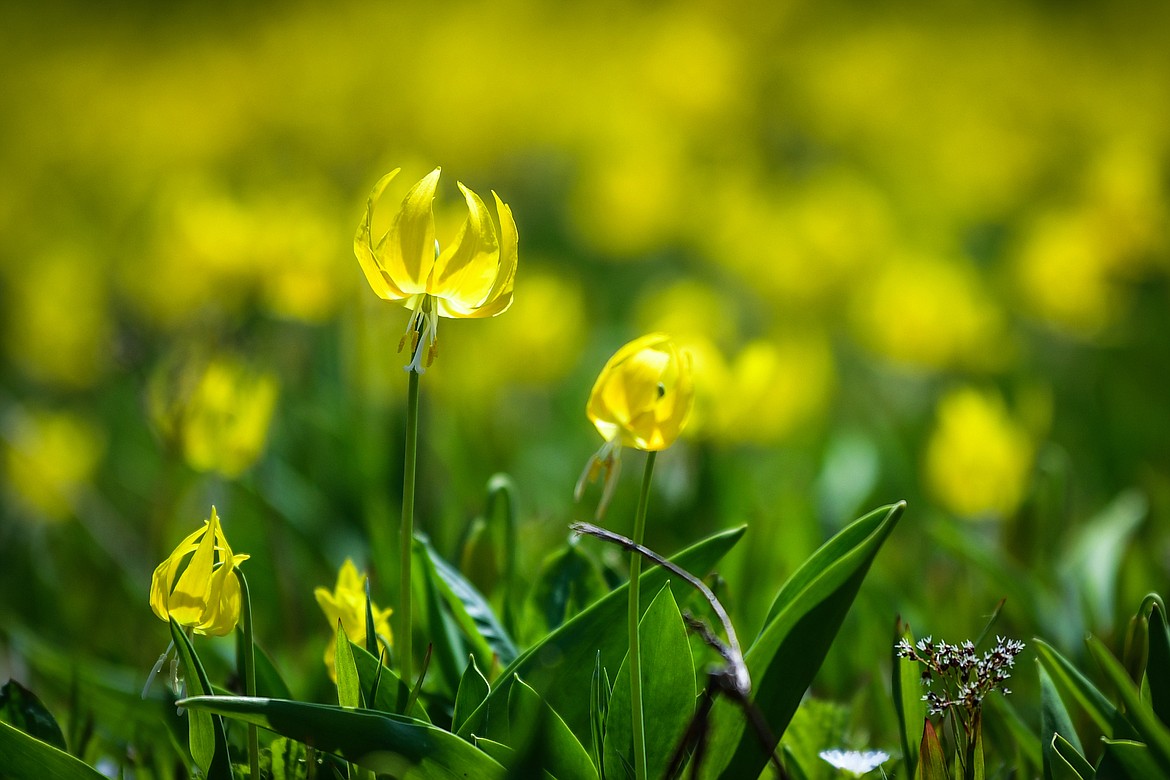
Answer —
349 687
541 739
908 704
1137 712
600 689
1054 722
498 751
560 666
1158 663
28 758
448 647
473 689
1066 761
798 632
21 708
386 743
932 762
206 734
1072 684
286 757
668 691
385 696
1012 726
1133 758
567 583
472 612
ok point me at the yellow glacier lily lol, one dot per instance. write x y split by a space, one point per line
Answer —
347 605
206 597
642 399
471 277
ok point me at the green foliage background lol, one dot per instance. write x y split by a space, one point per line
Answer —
851 212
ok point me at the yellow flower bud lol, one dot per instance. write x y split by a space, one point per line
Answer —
206 597
347 604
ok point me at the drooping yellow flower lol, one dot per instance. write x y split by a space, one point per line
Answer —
206 597
641 399
347 603
471 277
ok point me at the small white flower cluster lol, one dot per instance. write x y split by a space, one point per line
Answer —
855 762
965 676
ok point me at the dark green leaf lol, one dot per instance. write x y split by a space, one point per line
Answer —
1138 713
1067 763
541 739
21 708
1069 681
568 582
1054 721
448 648
600 690
800 628
668 691
1132 758
560 666
27 758
1158 663
207 737
385 697
386 743
473 689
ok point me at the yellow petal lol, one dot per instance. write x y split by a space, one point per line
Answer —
499 298
381 282
225 599
407 252
188 599
465 271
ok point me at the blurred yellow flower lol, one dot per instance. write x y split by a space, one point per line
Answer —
347 604
641 399
206 597
978 458
472 277
49 458
218 412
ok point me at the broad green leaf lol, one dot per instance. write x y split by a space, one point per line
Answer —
568 582
1135 759
391 744
349 687
448 644
798 632
1158 663
472 612
1150 730
932 761
1054 721
1066 761
541 739
668 691
21 708
473 689
205 732
385 698
906 680
1069 681
27 758
498 751
560 666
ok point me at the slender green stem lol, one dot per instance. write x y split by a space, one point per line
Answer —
635 658
248 653
406 532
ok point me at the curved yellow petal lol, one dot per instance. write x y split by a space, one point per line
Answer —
465 271
363 246
499 298
406 253
188 599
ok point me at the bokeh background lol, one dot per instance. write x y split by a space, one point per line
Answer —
916 252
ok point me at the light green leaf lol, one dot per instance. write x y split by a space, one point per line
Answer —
385 698
560 666
349 687
1068 680
1054 721
798 632
391 744
205 732
908 704
668 691
473 689
27 758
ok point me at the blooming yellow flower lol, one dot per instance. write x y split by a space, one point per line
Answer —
347 603
641 399
206 597
470 278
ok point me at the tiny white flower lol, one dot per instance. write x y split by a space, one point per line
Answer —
855 762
